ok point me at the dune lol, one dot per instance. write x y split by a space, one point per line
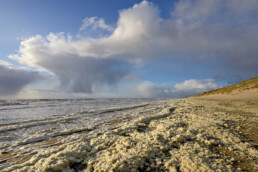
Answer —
236 95
245 90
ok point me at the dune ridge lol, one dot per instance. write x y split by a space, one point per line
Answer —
245 90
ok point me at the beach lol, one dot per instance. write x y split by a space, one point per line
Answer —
162 135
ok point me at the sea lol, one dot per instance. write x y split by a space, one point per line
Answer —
13 111
26 126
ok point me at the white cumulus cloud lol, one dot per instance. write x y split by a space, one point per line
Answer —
184 89
193 86
95 23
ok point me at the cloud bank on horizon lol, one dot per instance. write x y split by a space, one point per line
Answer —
197 31
12 80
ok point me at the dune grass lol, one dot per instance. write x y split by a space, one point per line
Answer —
241 86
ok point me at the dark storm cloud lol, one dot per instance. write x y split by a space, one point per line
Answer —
13 80
86 74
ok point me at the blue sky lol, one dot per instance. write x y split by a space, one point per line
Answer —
165 48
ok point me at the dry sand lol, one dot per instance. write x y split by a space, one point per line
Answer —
181 135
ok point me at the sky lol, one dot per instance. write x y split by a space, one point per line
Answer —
132 48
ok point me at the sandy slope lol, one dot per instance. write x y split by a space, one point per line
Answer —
181 135
251 94
245 90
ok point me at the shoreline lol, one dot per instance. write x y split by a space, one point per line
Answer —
184 134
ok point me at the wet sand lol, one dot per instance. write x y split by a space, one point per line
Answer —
175 135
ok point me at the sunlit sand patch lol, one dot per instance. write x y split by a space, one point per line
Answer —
14 157
250 130
241 162
5 155
56 141
118 121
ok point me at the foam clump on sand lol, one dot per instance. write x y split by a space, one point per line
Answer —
186 135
